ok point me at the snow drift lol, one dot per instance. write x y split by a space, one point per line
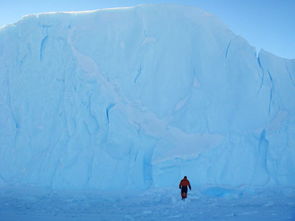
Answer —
137 97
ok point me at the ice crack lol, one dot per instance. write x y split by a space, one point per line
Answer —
138 73
108 112
271 92
227 48
43 46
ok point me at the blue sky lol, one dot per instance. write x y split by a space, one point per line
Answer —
267 24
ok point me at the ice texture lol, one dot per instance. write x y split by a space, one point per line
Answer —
211 204
137 97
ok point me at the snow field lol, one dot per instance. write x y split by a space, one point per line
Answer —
165 204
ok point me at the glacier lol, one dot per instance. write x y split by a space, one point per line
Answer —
138 97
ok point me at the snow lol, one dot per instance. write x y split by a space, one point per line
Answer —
206 204
133 99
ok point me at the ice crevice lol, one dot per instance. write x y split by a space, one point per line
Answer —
108 109
227 48
271 91
262 72
263 152
139 71
259 63
229 45
43 47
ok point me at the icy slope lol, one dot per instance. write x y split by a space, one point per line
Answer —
138 97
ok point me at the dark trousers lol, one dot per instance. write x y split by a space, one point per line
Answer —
184 192
184 189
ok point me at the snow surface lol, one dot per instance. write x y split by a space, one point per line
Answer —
134 98
211 204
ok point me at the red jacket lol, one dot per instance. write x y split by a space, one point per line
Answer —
184 182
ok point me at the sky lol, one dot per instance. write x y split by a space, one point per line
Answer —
267 24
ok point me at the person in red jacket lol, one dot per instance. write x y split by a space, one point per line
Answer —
184 183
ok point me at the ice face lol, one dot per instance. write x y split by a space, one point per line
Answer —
139 97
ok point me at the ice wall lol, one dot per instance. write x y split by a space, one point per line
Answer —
138 97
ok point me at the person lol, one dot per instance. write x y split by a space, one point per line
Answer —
184 183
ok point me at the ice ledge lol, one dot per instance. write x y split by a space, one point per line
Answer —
266 54
29 17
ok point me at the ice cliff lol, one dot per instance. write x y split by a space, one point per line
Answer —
137 97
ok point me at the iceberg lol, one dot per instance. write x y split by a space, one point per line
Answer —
138 97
